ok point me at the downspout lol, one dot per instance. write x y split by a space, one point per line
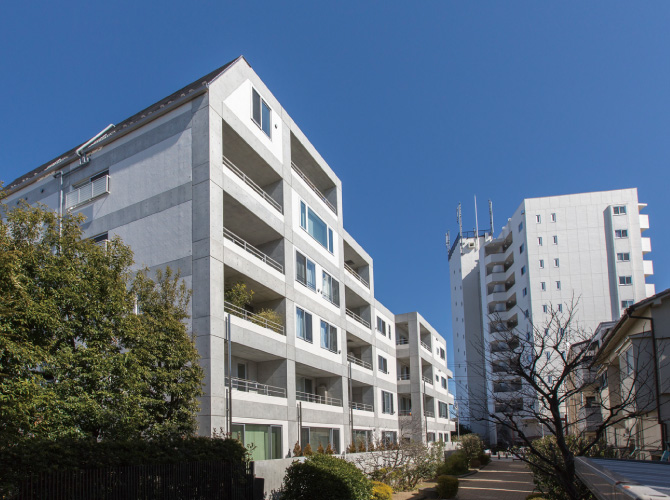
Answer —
59 176
80 151
656 381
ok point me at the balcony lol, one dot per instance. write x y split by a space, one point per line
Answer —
648 267
427 380
644 222
255 187
646 245
315 398
405 413
356 317
364 364
313 174
404 376
401 341
243 385
248 247
429 413
360 406
356 275
426 346
87 192
254 318
313 188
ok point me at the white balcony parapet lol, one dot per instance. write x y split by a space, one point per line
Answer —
359 362
87 192
313 187
403 376
252 250
427 380
243 385
425 346
401 341
648 267
650 289
356 275
254 318
646 245
360 406
356 317
315 398
261 192
429 413
644 222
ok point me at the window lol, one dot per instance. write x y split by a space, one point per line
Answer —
267 440
539 240
555 240
303 324
553 217
521 248
523 270
525 292
387 403
621 233
520 226
550 378
444 383
526 313
443 354
381 326
623 257
626 362
443 410
331 289
316 228
541 263
88 189
590 402
620 210
261 113
382 364
316 436
545 308
625 280
538 218
389 437
548 355
328 337
305 271
603 380
557 263
528 335
543 284
560 308
558 285
625 304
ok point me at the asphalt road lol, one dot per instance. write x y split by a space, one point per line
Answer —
503 479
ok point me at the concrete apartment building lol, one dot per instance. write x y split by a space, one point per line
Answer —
216 180
584 246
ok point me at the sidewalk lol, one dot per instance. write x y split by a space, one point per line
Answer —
503 479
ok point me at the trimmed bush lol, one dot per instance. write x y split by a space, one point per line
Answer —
455 465
381 491
327 478
475 463
485 459
447 486
535 496
472 446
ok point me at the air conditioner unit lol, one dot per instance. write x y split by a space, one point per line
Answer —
471 244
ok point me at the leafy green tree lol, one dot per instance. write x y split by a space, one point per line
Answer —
75 358
471 444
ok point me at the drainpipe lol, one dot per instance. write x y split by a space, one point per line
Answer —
59 176
656 381
351 406
80 151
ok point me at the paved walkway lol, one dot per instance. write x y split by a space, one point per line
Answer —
503 479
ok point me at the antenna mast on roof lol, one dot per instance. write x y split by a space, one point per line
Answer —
459 219
491 216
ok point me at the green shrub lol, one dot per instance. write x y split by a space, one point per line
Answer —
485 459
447 486
327 478
239 295
535 496
381 491
475 463
455 465
267 314
472 446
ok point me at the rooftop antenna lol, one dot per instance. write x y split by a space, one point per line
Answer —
491 216
476 226
446 238
459 219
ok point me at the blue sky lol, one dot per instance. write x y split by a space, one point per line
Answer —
415 105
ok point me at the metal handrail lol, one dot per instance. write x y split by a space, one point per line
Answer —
429 413
359 362
243 385
360 406
356 275
254 318
404 376
405 413
355 316
315 398
314 188
227 233
401 341
427 380
253 185
425 346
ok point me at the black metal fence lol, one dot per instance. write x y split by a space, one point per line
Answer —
191 481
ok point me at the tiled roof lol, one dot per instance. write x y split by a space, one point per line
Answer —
189 89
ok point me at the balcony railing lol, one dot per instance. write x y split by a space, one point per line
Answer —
425 346
253 185
401 341
243 385
360 406
356 275
403 376
314 188
427 380
429 413
315 398
405 413
359 362
254 318
87 192
356 317
227 233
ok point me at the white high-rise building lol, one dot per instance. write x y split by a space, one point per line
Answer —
553 251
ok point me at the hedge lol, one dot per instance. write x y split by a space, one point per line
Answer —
447 486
